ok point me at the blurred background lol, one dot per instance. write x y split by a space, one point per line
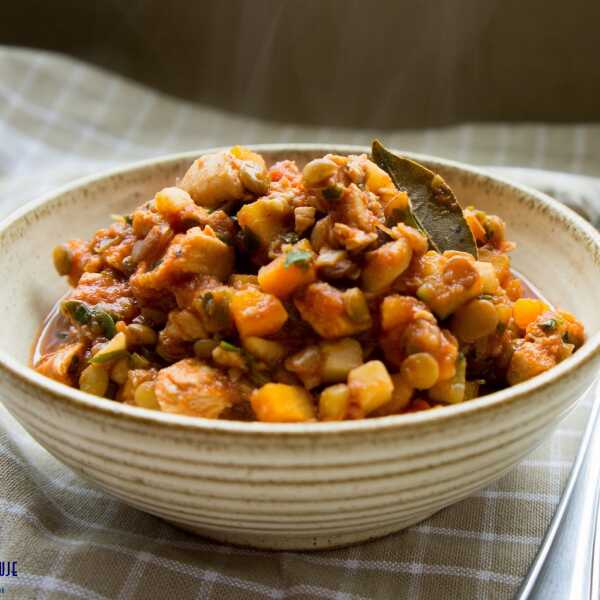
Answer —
506 83
384 64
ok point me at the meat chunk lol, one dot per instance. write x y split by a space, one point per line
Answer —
213 179
61 364
107 292
529 359
190 387
353 210
323 307
196 252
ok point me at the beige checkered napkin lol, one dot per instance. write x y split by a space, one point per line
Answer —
60 119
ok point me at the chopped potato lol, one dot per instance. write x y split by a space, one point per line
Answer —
384 265
370 388
265 218
333 402
267 350
339 358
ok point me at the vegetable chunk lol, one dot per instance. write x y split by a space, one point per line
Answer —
370 388
257 314
190 387
323 307
280 403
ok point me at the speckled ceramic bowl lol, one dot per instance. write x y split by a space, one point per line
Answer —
290 486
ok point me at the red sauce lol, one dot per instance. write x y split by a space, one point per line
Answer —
54 332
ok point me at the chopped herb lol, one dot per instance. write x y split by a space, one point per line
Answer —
85 315
486 297
549 325
62 335
565 337
298 258
128 219
501 328
230 347
79 311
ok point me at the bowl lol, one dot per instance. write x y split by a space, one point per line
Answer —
291 486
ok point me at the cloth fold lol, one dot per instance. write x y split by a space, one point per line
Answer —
60 119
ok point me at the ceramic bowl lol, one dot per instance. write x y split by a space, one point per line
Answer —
291 486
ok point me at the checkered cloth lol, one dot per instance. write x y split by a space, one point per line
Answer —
60 119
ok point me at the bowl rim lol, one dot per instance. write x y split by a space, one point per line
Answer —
145 417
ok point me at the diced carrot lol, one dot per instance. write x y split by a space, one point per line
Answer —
256 313
282 280
527 310
476 227
281 403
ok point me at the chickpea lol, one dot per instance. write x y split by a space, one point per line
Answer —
474 320
62 259
141 335
356 306
420 370
119 371
204 348
422 336
460 270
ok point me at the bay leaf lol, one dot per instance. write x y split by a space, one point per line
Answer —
434 208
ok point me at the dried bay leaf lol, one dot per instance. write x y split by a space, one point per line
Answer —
433 207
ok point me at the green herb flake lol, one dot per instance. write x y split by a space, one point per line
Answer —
299 258
230 347
78 311
85 315
486 297
565 337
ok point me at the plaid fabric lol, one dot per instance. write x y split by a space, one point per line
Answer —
60 119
